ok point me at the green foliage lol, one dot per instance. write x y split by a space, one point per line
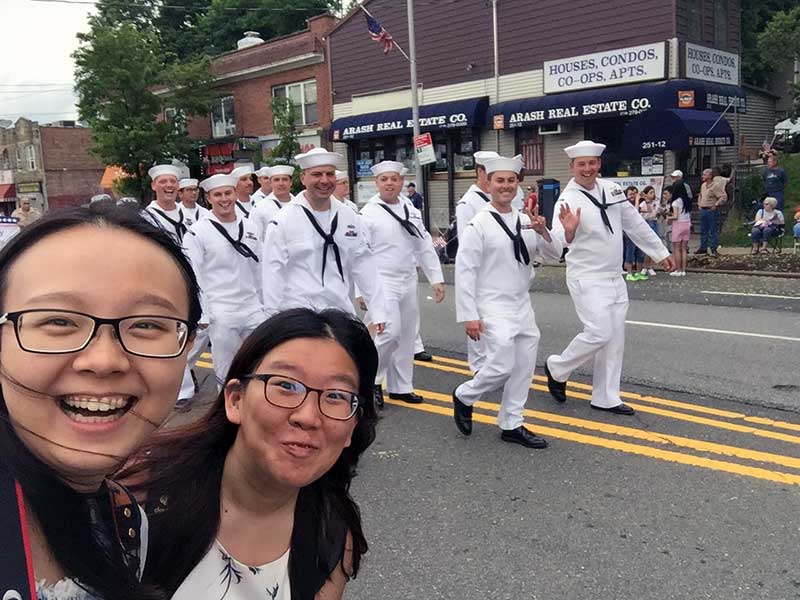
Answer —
284 117
117 67
780 41
757 67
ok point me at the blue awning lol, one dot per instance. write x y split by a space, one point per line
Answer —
675 129
622 101
446 115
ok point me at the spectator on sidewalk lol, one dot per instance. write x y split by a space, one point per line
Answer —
632 256
796 230
769 222
664 212
532 198
680 219
712 196
775 179
414 195
648 208
679 188
26 214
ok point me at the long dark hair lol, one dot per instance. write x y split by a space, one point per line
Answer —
77 539
186 498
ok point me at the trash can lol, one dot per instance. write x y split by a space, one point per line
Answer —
549 191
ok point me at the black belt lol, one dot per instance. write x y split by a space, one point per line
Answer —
329 241
238 245
179 227
406 224
243 209
520 249
603 207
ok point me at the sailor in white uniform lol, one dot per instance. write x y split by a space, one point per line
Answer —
593 215
395 232
187 194
265 188
280 177
494 270
315 246
342 190
224 251
244 187
164 211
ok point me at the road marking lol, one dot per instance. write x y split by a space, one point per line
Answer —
709 330
775 435
639 434
750 295
666 455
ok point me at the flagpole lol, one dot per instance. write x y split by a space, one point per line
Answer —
396 45
412 49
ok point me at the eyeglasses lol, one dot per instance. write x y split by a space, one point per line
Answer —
54 331
285 392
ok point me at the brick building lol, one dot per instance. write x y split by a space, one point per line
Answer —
240 125
50 164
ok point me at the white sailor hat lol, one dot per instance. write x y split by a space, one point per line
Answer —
584 148
317 157
281 170
262 172
341 175
242 170
404 172
159 170
184 183
218 180
387 166
483 155
501 163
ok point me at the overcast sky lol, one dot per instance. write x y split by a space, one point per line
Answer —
38 39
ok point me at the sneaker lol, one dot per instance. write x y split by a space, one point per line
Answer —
640 277
631 277
675 274
682 273
651 272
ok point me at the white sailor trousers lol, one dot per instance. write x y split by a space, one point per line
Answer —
511 341
396 344
200 343
227 332
601 305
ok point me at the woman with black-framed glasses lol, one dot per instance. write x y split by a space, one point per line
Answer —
269 508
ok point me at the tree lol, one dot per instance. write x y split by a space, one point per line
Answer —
756 68
780 42
284 117
118 66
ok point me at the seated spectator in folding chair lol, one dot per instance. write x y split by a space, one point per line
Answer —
796 230
769 224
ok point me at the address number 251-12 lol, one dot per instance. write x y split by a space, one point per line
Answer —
651 145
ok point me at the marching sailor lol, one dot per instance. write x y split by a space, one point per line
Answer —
494 270
593 215
342 190
244 187
473 201
224 251
395 232
315 246
187 194
164 212
265 189
280 178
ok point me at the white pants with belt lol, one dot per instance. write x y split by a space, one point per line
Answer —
227 332
602 305
396 344
510 342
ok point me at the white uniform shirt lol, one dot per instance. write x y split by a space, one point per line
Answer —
489 278
470 204
193 215
247 206
264 211
596 252
393 247
156 215
230 283
257 197
293 258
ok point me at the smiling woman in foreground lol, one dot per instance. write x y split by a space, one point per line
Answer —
255 495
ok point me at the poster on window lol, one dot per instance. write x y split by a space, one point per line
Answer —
653 165
641 182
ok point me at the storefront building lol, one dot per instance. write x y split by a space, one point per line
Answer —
657 82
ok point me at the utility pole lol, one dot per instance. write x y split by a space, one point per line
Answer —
496 68
412 60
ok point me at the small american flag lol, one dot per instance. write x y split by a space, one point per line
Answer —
379 34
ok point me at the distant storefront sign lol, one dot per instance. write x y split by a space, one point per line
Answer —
34 187
600 69
710 64
363 167
423 146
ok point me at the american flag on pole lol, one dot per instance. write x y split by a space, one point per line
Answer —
379 34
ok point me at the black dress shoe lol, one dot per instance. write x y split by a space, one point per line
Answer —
408 398
378 396
523 437
424 356
462 415
619 409
558 389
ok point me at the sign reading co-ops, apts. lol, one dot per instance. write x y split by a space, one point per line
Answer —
423 146
710 64
613 67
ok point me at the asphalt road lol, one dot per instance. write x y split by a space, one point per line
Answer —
697 496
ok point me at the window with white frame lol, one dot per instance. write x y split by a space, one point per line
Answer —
303 96
31 155
223 120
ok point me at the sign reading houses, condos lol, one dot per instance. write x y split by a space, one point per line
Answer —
613 67
709 64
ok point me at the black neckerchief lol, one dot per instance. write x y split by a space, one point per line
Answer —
16 565
196 212
278 203
520 249
602 206
180 229
243 209
484 196
404 223
329 241
238 245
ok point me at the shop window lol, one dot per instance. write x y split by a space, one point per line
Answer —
721 23
31 152
303 95
223 120
463 142
531 146
611 132
695 16
374 150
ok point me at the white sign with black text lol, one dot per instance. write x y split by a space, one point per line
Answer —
612 67
710 64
